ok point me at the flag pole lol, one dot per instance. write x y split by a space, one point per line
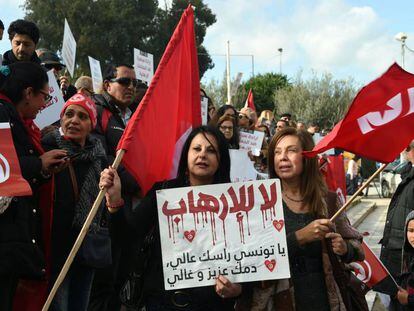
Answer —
345 206
80 237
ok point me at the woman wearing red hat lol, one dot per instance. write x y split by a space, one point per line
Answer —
76 188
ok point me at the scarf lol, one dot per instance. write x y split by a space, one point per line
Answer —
93 153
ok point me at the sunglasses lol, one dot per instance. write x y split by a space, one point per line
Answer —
47 97
126 81
241 116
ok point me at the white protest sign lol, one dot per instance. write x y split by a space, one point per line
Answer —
143 65
236 84
69 49
96 73
251 141
204 111
236 230
242 168
51 112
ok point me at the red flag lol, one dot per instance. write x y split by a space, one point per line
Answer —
371 271
12 182
249 101
167 113
382 114
333 170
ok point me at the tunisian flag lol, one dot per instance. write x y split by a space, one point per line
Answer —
12 182
380 122
249 101
371 271
169 110
333 171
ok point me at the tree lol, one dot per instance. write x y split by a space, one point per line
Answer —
108 30
264 87
320 99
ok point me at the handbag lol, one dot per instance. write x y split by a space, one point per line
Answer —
95 251
131 293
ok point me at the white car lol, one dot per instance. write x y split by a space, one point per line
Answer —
390 178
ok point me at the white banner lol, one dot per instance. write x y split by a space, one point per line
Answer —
51 113
236 230
242 168
143 65
96 73
251 141
204 111
69 49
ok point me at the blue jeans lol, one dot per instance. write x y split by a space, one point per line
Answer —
73 294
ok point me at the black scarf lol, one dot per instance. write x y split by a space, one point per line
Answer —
92 153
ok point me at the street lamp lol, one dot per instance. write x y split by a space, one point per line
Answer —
401 36
280 59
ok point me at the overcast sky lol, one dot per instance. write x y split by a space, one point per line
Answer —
348 38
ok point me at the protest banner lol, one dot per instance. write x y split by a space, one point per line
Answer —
204 110
251 141
242 168
96 73
12 182
69 49
51 112
235 229
143 65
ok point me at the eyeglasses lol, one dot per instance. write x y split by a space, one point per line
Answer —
226 128
125 81
47 97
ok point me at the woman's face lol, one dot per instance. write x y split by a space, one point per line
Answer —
202 160
227 129
35 102
229 112
410 232
288 159
76 124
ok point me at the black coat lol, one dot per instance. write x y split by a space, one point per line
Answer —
20 233
402 203
9 58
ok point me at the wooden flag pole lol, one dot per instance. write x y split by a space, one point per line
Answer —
80 237
344 207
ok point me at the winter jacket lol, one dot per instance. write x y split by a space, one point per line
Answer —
21 246
9 58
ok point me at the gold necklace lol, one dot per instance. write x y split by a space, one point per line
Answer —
293 200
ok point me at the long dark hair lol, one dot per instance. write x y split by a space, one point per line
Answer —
235 139
17 77
222 174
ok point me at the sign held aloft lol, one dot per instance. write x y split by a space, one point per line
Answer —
69 49
235 229
143 65
96 73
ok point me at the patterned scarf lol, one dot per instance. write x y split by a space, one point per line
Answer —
93 153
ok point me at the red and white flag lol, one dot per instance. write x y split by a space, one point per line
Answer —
333 171
168 112
12 182
371 271
380 122
249 101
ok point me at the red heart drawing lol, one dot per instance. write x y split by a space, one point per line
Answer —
270 264
189 235
278 224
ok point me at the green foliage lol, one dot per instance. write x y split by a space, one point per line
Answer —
108 30
320 98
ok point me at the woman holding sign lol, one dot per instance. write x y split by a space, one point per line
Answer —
204 160
314 242
24 91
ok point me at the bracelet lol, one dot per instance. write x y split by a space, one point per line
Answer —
116 205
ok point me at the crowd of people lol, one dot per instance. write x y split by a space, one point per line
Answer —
67 163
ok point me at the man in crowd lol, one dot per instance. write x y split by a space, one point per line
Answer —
245 120
84 85
23 36
281 124
113 107
51 61
301 126
402 203
313 128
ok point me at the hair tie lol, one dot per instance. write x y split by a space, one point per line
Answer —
5 70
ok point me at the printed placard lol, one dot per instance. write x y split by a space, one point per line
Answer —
69 49
242 168
235 229
251 141
51 112
143 65
96 73
204 110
